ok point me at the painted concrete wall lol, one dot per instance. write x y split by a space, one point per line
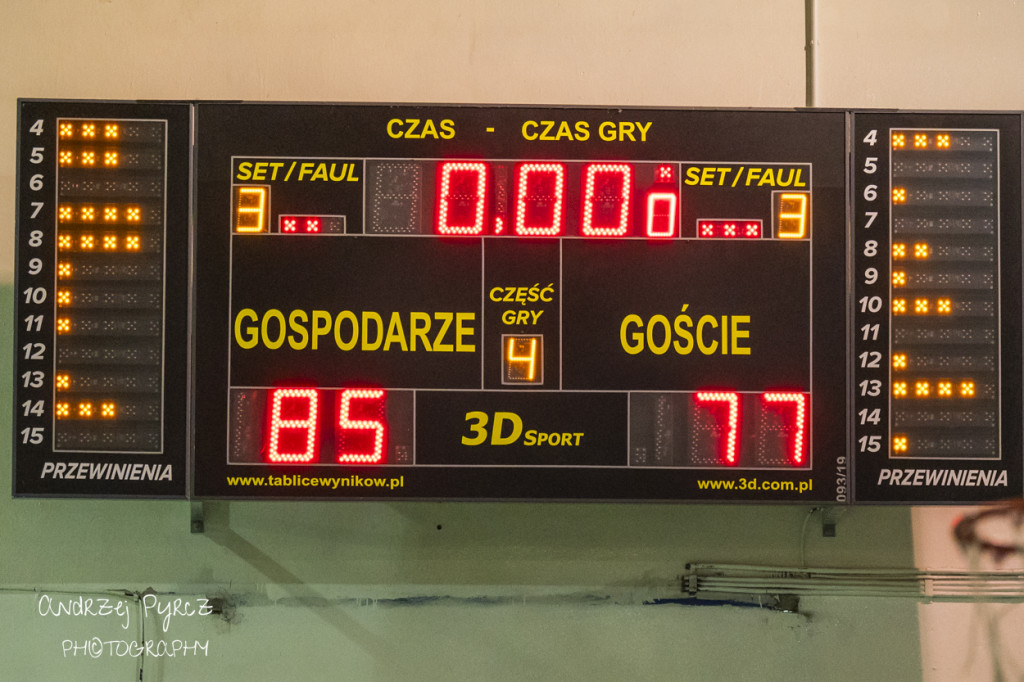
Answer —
425 591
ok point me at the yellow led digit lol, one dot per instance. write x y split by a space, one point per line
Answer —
942 141
899 251
922 250
791 215
108 410
899 306
899 195
250 209
899 140
62 382
899 361
522 361
900 444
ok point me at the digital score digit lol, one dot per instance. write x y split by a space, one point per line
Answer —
663 304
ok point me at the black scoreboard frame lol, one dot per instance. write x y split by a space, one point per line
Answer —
702 293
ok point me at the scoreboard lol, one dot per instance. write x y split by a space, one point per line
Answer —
319 301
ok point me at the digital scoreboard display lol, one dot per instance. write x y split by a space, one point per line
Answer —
464 302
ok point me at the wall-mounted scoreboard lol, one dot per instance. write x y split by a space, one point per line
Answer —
312 301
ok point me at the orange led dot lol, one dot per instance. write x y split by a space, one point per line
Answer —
922 250
67 130
899 306
87 242
110 213
65 242
900 443
110 158
62 410
899 361
922 389
899 195
899 140
110 242
131 242
88 213
132 214
65 269
62 382
108 410
944 389
63 325
921 306
899 278
88 158
944 306
110 131
64 297
899 250
899 389
65 213
85 410
942 141
66 158
920 141
88 130
967 389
